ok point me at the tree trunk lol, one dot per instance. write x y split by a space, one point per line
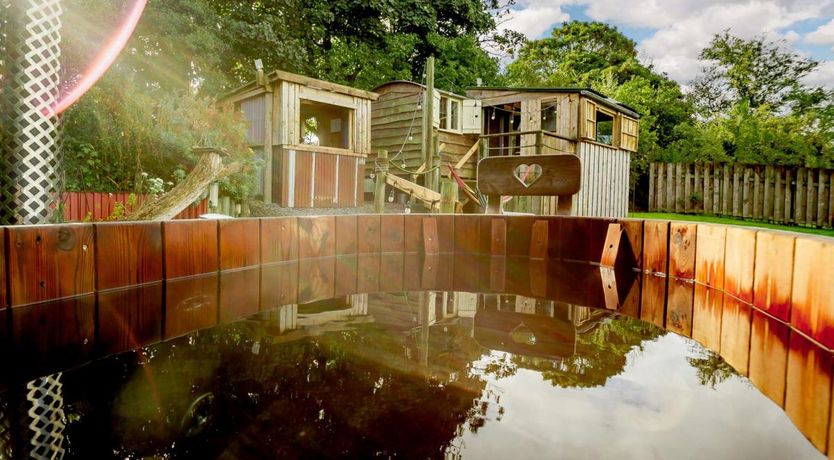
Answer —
209 169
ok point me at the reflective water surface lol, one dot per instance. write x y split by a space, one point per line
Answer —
431 374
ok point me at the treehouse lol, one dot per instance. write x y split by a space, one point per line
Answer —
313 137
581 121
399 127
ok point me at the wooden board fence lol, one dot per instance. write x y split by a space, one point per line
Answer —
778 194
99 206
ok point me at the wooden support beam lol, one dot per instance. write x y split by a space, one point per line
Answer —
430 197
612 245
448 196
468 155
381 179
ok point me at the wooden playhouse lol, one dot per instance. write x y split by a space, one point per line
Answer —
314 137
581 121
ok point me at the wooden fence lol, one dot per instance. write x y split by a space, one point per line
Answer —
785 195
99 206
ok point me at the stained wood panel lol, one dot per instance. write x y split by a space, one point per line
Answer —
190 305
739 258
240 243
49 336
520 229
709 257
446 233
773 278
493 236
50 262
413 271
190 247
316 237
368 277
128 254
345 235
736 317
769 356
656 246
279 284
391 267
466 268
706 316
279 239
466 234
812 306
240 294
346 275
653 304
316 279
808 389
349 182
392 231
324 193
368 234
682 241
679 307
539 235
632 245
3 290
413 233
129 318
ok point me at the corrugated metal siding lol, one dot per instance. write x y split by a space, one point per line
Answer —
98 206
347 178
253 109
325 186
303 179
605 182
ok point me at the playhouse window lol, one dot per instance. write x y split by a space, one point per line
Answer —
450 113
605 128
325 125
549 121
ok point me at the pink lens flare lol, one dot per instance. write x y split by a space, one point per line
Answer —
102 61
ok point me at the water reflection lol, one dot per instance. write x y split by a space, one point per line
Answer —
311 359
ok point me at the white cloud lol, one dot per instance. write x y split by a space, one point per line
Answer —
824 35
823 75
534 18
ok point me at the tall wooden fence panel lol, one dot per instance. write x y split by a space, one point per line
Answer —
99 206
779 194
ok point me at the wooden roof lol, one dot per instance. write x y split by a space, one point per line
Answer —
584 91
419 85
280 75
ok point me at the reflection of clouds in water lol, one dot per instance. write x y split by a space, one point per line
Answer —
656 408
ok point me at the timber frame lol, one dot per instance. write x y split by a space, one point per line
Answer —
314 137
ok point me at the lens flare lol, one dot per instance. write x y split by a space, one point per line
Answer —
102 61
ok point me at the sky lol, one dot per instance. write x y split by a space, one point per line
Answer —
671 33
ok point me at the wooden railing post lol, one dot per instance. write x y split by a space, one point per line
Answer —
381 170
539 143
448 196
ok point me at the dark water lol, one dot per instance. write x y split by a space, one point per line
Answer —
408 375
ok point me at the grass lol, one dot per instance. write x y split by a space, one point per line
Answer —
729 221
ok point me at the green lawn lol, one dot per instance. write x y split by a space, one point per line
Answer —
729 221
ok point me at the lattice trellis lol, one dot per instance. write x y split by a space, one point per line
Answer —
6 450
46 415
31 132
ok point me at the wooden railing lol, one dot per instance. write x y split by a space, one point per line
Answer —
780 194
534 142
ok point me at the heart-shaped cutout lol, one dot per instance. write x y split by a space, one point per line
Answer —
527 174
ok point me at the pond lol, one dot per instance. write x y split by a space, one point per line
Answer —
223 367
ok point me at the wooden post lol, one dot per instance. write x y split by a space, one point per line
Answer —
448 196
539 143
652 169
268 141
381 171
428 120
435 163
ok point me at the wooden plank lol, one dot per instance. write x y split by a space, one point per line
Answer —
767 194
738 190
758 204
670 187
240 294
808 389
679 308
368 273
52 336
426 195
466 234
799 197
831 201
812 306
687 187
129 318
656 247
811 197
736 318
632 244
660 188
787 209
446 233
279 239
346 275
240 243
769 356
392 233
3 288
612 245
497 236
467 156
346 235
413 233
708 188
49 262
709 255
539 240
773 279
739 259
682 241
368 228
317 237
520 229
279 284
190 305
706 316
727 191
716 189
465 272
679 198
698 189
653 302
317 278
778 195
822 197
391 271
127 254
190 247
652 184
